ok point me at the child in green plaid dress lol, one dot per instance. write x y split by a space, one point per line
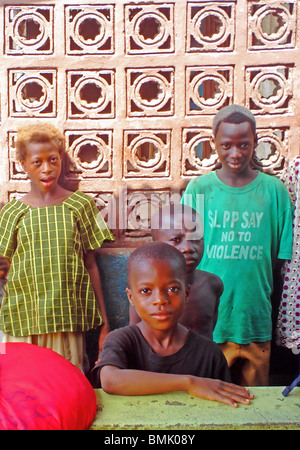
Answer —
53 293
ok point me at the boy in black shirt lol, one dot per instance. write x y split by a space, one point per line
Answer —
180 226
159 354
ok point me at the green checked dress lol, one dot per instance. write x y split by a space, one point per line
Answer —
49 289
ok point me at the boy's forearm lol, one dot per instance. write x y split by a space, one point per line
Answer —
139 382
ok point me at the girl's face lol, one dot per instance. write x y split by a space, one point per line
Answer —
42 164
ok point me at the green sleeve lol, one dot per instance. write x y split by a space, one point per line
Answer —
93 229
193 196
9 218
285 223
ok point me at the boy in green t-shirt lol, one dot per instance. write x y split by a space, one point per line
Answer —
247 218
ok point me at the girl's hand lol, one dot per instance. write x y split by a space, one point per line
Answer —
104 330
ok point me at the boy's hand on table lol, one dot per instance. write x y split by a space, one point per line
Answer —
140 382
221 391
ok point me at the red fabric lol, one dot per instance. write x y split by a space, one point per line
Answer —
41 390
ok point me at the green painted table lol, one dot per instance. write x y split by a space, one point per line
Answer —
181 411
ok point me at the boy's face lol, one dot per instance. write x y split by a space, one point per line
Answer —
235 144
178 232
42 164
158 292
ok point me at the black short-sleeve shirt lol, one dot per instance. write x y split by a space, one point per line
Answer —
127 348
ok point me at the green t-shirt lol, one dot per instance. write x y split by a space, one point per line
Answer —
245 230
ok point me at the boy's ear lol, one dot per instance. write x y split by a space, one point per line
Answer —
129 295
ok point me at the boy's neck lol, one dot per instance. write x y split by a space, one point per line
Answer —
164 342
191 277
237 179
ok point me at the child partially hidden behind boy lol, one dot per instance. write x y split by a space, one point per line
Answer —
158 354
180 226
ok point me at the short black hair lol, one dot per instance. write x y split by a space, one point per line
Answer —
172 210
156 251
234 114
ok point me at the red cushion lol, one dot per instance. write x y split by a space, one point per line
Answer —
41 390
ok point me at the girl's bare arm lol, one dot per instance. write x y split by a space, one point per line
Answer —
92 268
4 267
